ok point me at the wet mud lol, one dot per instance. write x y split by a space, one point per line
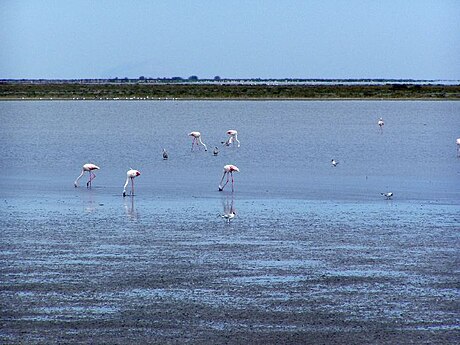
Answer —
288 277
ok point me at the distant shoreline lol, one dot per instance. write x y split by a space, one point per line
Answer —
71 90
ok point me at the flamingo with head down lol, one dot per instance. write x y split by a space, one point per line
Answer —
87 167
196 139
232 136
228 170
130 175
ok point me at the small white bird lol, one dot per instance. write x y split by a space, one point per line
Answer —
229 216
334 162
387 195
165 154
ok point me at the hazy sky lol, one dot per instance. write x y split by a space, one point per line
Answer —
417 39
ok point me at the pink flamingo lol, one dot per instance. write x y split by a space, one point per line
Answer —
196 138
131 174
87 167
458 147
381 124
232 136
228 170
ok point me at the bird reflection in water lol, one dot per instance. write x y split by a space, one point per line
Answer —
229 209
130 209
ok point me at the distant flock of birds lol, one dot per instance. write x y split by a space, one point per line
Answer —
228 170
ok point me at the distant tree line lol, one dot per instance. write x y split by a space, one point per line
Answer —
193 90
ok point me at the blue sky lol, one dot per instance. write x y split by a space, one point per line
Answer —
418 39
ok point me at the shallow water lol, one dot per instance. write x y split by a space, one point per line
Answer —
313 248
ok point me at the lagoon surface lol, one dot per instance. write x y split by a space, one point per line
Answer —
314 254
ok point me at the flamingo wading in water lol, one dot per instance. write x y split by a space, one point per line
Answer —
196 139
232 136
130 175
87 167
228 170
458 147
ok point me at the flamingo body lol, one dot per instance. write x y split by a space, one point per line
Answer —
228 170
87 167
130 175
196 139
381 123
165 154
233 136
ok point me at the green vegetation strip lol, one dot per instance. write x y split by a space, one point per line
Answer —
11 90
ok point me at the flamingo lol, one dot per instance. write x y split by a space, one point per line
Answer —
387 195
228 170
196 138
381 124
87 167
232 136
216 151
165 154
334 162
458 147
131 174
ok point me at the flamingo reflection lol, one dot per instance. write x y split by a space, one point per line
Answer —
229 209
129 208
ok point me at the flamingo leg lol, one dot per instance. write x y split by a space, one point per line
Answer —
233 182
92 176
228 178
193 142
132 186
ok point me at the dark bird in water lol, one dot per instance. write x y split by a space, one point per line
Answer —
165 154
388 195
216 151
